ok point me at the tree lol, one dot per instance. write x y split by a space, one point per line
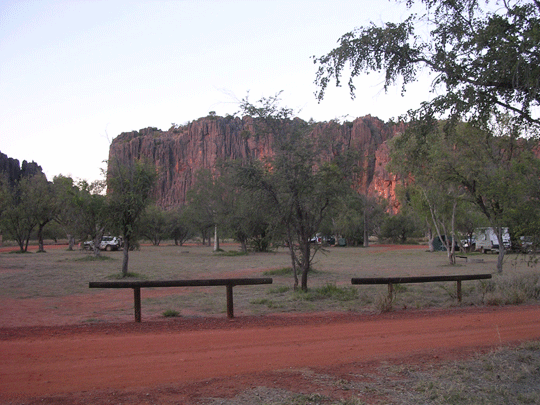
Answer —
66 192
206 204
178 225
495 171
26 207
91 213
297 179
153 224
45 205
17 222
398 228
485 58
129 191
349 219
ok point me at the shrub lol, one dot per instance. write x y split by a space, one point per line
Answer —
171 313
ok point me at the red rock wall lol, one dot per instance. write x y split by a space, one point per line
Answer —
180 152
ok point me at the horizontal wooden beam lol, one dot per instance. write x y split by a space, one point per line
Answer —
180 283
419 279
137 285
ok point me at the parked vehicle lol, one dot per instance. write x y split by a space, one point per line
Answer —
107 243
487 240
529 244
323 239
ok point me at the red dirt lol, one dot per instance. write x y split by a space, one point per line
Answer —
171 360
190 360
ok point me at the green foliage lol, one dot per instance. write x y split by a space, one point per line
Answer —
298 184
285 271
399 228
329 291
171 313
461 170
87 211
28 204
279 290
178 225
484 57
129 187
153 224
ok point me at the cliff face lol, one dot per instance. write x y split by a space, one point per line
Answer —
180 152
14 171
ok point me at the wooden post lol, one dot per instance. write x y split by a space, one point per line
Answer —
137 300
230 309
458 288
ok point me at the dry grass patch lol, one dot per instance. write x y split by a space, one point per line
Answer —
505 376
60 273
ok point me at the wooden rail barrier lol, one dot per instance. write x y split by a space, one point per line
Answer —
229 283
458 278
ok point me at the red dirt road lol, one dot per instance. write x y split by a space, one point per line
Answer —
37 362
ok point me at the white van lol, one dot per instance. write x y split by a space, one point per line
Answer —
487 240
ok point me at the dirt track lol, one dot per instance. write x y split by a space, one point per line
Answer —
66 360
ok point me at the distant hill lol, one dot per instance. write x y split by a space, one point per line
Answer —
181 151
15 171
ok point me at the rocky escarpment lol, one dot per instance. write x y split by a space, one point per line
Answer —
181 151
14 171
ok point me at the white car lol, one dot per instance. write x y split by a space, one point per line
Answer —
107 243
110 243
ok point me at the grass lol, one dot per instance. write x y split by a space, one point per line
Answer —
282 272
92 258
232 253
60 273
507 375
170 313
510 375
129 274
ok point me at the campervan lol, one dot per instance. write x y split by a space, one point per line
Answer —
487 240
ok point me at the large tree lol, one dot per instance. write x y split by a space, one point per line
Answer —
495 171
153 225
45 205
178 225
129 190
67 217
18 218
90 213
206 204
485 57
299 181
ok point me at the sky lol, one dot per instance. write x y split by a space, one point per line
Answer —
76 74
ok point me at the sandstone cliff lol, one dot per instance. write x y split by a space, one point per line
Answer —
14 171
181 151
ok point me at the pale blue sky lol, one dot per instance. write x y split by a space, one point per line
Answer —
75 74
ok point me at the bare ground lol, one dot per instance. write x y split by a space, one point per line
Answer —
321 357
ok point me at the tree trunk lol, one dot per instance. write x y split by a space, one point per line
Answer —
366 225
97 243
502 250
305 272
452 242
216 239
305 264
125 259
431 248
71 241
41 248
